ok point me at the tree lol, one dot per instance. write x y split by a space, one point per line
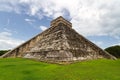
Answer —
114 50
3 52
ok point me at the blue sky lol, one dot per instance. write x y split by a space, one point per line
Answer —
97 20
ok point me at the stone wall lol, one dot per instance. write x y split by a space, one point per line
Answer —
59 43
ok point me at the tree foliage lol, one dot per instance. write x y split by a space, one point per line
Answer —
3 52
114 50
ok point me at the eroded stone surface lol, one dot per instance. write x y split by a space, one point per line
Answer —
59 43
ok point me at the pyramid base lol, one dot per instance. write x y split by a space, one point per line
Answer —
57 58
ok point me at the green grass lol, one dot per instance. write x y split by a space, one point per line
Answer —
24 69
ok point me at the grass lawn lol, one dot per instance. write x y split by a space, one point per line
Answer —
24 69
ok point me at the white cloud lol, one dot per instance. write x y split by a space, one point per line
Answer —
43 28
99 43
89 17
29 20
10 5
116 44
7 42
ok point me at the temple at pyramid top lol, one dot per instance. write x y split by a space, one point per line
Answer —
60 19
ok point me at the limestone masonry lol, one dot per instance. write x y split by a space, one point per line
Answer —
59 43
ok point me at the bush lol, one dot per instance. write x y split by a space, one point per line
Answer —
114 50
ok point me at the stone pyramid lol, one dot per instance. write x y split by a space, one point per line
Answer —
59 43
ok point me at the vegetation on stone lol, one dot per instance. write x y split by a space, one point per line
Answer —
24 69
